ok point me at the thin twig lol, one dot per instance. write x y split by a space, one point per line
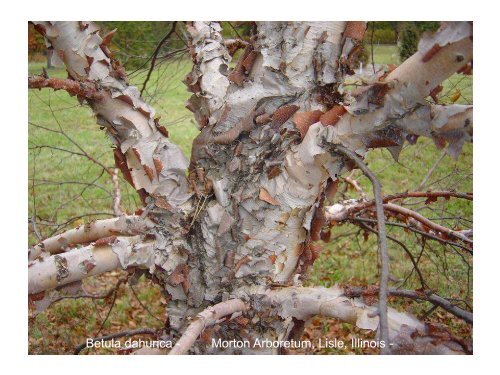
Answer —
431 170
418 295
155 55
115 295
371 44
406 250
382 244
413 229
144 306
422 219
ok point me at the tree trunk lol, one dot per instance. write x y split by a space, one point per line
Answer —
241 225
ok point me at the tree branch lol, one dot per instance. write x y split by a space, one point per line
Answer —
428 296
407 335
341 212
62 269
149 161
382 242
206 318
384 113
206 80
155 55
422 219
84 90
95 230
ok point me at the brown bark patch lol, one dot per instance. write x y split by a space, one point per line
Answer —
137 154
236 77
434 93
158 165
248 62
355 30
332 116
282 114
263 119
303 120
272 258
162 203
121 164
106 39
331 189
162 130
431 53
317 223
266 197
466 69
149 172
178 275
273 172
105 241
325 235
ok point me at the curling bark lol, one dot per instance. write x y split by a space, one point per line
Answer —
243 220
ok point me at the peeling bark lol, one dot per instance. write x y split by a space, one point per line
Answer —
407 334
130 122
85 233
244 219
62 269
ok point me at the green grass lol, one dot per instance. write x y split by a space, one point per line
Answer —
348 260
56 202
383 54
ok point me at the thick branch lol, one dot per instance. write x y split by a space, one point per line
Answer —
149 161
383 113
95 230
62 269
206 80
206 318
407 335
341 211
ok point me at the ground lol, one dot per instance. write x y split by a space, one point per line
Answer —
66 189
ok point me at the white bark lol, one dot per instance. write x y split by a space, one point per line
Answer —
406 333
90 232
62 269
152 162
260 165
206 318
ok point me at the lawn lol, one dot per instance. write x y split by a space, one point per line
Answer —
67 189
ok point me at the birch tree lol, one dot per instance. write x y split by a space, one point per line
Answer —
229 231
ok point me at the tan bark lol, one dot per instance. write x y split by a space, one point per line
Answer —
206 318
407 334
260 165
150 161
75 265
90 232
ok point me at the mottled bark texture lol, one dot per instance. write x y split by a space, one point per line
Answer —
240 226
